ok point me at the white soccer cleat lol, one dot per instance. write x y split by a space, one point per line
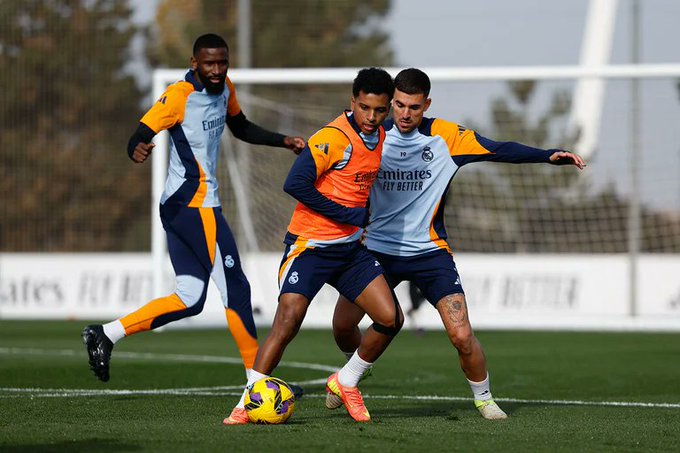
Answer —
490 410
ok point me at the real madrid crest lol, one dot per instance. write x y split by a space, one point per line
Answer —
427 154
293 279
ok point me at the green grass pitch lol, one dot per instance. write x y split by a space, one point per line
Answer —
169 391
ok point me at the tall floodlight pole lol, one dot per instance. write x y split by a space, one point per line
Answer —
596 48
244 34
635 162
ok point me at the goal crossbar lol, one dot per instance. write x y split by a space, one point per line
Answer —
436 74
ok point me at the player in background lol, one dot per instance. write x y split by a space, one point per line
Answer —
200 243
412 313
406 230
331 180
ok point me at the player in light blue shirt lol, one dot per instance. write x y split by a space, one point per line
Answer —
406 230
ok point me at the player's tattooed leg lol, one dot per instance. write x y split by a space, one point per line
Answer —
455 308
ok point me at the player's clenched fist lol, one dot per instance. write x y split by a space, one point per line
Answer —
142 152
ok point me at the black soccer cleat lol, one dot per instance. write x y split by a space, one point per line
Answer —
99 349
297 391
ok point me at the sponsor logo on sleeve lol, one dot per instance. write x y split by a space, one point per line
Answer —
323 147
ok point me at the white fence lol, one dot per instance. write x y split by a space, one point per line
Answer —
504 291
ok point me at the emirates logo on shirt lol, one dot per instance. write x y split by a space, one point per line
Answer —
365 180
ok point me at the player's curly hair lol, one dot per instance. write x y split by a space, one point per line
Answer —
374 81
209 41
412 81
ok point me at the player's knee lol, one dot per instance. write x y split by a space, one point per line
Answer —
391 327
343 323
191 291
289 316
392 317
389 330
463 340
342 329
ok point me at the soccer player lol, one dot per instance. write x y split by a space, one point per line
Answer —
331 180
200 243
417 300
406 230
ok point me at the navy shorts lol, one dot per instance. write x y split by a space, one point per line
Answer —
434 273
349 268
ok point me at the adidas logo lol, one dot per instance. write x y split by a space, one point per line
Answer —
323 147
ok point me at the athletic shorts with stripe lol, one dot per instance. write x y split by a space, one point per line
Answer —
434 273
349 268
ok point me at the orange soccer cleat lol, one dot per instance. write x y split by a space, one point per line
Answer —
351 397
238 416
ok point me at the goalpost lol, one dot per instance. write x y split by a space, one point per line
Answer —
253 210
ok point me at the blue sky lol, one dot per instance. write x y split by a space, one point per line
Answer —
549 32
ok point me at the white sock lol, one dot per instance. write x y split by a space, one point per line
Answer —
242 402
114 330
481 390
349 375
253 376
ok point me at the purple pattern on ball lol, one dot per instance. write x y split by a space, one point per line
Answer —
256 397
272 385
283 408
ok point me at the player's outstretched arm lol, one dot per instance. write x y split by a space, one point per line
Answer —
249 132
567 158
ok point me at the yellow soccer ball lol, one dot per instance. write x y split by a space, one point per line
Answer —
269 401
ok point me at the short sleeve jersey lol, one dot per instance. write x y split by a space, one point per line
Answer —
195 120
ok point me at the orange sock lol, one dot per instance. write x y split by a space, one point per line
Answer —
247 345
140 320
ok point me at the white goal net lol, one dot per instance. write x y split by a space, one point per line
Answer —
627 201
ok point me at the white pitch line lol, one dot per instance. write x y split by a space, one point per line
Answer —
528 401
11 392
73 393
163 357
230 390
